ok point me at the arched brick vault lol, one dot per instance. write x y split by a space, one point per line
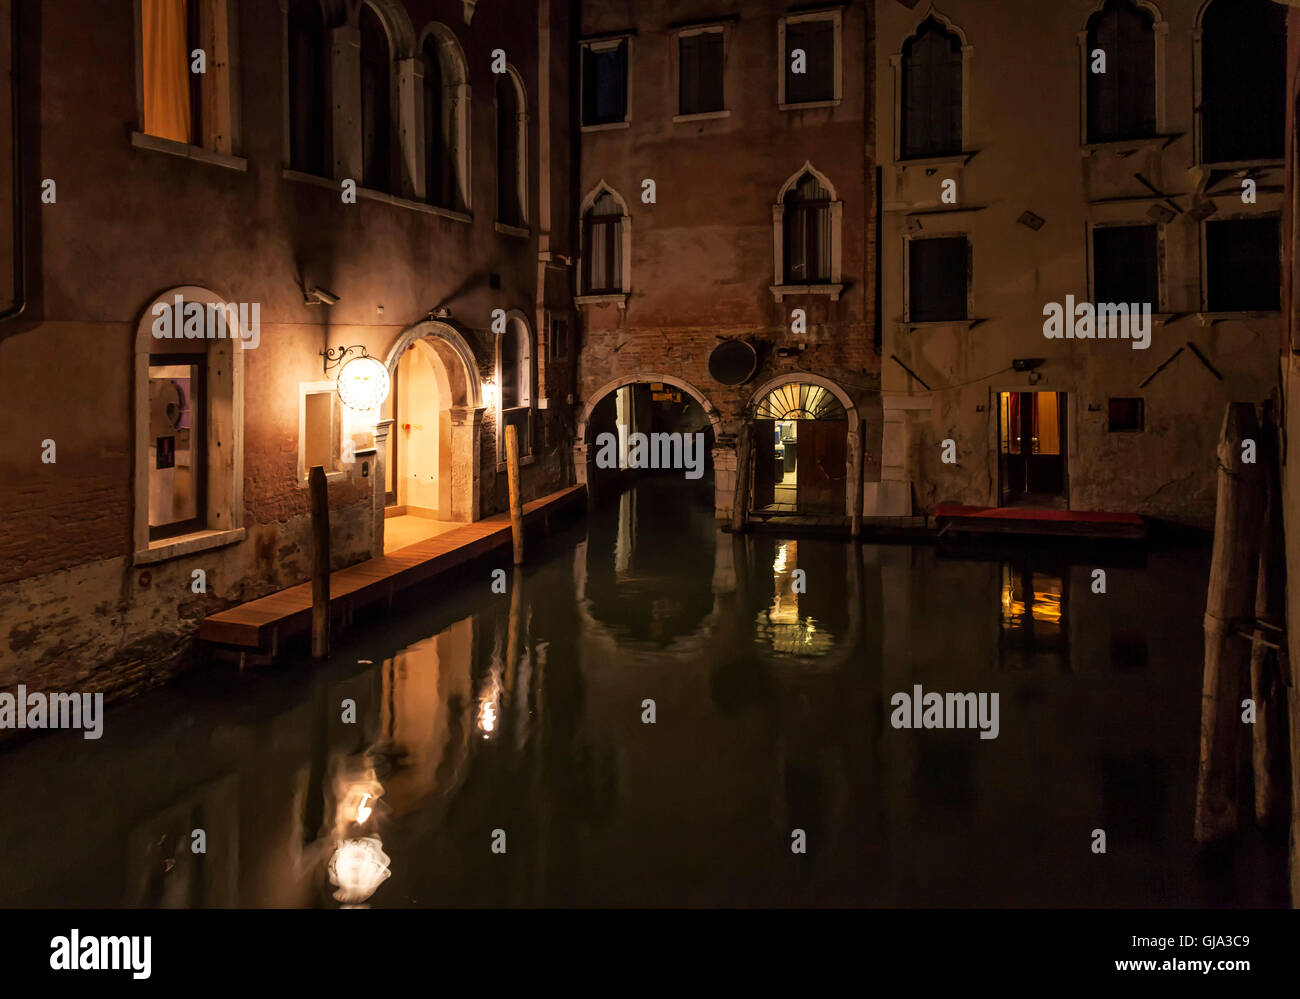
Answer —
647 376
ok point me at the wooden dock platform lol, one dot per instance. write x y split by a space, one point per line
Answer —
953 518
258 628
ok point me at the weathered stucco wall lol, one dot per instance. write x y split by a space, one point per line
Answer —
1024 87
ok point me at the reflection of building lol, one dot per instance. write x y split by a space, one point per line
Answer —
235 188
1122 187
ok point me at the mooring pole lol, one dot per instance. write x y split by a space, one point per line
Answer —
320 563
1267 683
859 464
740 499
1231 598
516 508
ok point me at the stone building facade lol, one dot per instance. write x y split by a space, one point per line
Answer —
1074 152
727 180
391 177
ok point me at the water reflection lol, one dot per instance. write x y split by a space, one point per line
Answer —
769 663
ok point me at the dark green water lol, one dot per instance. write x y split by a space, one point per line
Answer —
523 712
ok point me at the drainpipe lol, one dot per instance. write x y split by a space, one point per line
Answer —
15 86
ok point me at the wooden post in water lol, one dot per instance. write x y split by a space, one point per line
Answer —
320 563
1268 686
1230 601
859 462
740 499
516 508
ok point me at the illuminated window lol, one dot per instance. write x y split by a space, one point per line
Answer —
177 458
178 103
514 366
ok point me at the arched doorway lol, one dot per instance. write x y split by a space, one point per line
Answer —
431 477
801 441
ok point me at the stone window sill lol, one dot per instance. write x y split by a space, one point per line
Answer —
969 324
527 459
1210 318
702 115
932 163
810 105
186 151
186 544
1126 147
366 193
780 291
518 231
606 126
616 298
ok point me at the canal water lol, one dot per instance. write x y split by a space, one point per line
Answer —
657 713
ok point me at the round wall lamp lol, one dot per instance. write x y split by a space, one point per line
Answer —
363 382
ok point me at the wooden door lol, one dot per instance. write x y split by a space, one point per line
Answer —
762 440
823 449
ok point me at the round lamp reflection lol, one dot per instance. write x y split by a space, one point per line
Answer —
364 383
358 868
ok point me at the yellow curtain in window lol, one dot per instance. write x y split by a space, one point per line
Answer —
164 28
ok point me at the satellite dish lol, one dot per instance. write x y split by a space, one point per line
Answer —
733 362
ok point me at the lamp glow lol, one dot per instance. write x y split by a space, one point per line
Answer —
358 868
364 384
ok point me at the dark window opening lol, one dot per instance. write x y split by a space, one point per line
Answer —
1125 265
817 81
440 185
603 240
1243 265
1125 416
510 208
931 98
1122 100
559 338
376 104
700 73
604 84
1243 63
938 275
307 88
807 233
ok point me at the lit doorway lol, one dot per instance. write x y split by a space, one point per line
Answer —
800 441
1032 448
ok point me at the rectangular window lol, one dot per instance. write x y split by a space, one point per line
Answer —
604 82
1125 415
938 275
320 435
809 60
700 72
1243 265
1125 265
605 256
176 444
808 243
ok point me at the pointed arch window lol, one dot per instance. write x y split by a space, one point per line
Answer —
603 240
1122 100
807 232
931 100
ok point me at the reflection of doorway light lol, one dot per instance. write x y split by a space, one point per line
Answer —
489 705
358 868
781 624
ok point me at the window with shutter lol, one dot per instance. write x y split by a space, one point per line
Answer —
603 240
1243 81
807 235
700 72
1243 265
937 279
816 39
604 84
1125 265
1122 100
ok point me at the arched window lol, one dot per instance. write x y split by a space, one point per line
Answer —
1122 100
602 228
807 232
515 376
376 103
1243 81
177 103
307 88
931 109
445 98
511 137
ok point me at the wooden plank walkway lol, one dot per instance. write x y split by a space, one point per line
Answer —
263 624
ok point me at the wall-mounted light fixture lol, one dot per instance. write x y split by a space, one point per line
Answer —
363 381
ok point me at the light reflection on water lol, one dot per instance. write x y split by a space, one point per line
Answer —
518 721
